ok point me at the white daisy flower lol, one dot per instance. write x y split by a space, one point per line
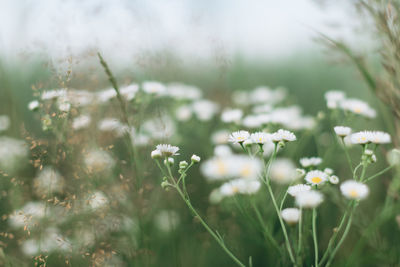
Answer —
156 154
342 131
129 91
222 151
4 122
220 137
195 158
354 190
81 122
358 107
334 179
231 115
239 137
309 199
283 171
316 177
333 98
308 162
251 121
205 109
240 186
360 137
106 95
378 137
393 156
291 215
167 150
260 137
328 171
283 135
152 87
294 190
184 113
33 105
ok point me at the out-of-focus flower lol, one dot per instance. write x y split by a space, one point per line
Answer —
294 190
309 199
354 190
81 122
4 123
283 171
98 161
342 131
308 162
291 215
358 107
231 115
48 181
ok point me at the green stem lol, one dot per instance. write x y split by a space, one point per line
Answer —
299 242
266 232
314 230
346 152
333 237
379 173
205 225
346 231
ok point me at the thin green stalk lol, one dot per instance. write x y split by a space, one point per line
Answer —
379 173
299 242
346 152
346 231
266 232
271 193
333 237
314 230
205 225
282 223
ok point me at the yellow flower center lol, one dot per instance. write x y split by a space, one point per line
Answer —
353 193
316 180
246 171
235 189
221 168
357 110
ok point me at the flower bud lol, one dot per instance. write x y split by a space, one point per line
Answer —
183 164
195 159
156 154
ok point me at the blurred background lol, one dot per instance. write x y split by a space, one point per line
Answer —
219 46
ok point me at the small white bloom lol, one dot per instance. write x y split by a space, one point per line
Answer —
169 161
328 171
342 131
156 88
33 105
308 162
309 199
283 171
291 215
354 190
4 122
260 137
167 150
294 190
97 200
183 113
333 98
106 95
393 156
360 137
240 186
316 177
334 179
248 143
231 115
222 151
48 181
358 107
239 137
195 158
167 220
155 154
378 137
220 137
81 122
129 91
97 160
283 135
205 109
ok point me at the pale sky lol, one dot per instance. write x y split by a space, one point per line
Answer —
122 29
